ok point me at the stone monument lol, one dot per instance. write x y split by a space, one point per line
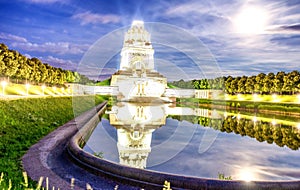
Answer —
137 79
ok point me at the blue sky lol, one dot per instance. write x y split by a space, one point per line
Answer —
244 37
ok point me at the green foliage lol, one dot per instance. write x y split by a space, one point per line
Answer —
281 83
25 121
221 176
217 83
167 185
99 154
17 66
182 84
105 82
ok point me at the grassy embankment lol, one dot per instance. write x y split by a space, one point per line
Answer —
24 121
261 103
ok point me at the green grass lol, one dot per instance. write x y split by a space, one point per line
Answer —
171 86
25 121
105 82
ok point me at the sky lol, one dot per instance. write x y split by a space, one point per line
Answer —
243 37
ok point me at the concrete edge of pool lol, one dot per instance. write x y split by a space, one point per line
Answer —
48 158
153 179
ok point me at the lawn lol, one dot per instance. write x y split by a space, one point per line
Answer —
25 121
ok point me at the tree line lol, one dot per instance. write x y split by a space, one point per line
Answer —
17 66
280 83
280 134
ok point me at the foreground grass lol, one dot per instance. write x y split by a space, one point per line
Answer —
25 121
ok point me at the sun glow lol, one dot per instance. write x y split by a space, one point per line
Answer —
247 175
254 119
298 126
251 20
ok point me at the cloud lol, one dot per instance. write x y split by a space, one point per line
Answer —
186 8
285 29
292 27
57 62
43 1
51 59
52 47
27 55
95 73
92 18
15 38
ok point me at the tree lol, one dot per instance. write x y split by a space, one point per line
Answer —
242 85
2 65
15 65
11 63
268 83
249 85
69 76
36 73
3 47
228 85
258 87
234 85
278 82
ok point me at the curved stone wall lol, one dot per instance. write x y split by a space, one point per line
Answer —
152 179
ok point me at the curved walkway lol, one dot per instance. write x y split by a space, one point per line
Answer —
48 158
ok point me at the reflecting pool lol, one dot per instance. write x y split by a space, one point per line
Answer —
198 142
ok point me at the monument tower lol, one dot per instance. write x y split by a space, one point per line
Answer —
137 53
137 79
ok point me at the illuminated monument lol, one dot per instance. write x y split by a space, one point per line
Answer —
137 79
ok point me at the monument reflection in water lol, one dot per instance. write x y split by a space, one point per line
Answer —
135 123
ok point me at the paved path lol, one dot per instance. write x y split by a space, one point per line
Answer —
48 158
14 97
